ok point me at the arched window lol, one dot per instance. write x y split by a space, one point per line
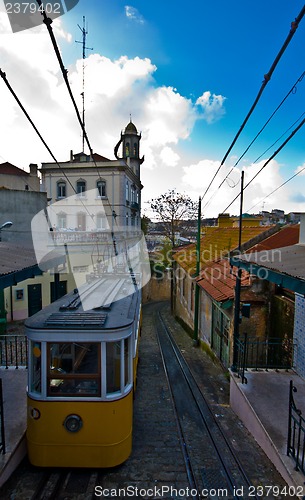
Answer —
135 149
101 189
61 190
127 149
81 188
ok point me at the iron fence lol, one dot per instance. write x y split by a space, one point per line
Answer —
296 432
2 434
13 351
258 354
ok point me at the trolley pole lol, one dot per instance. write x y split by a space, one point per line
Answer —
196 311
238 283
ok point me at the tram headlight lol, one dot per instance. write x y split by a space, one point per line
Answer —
73 423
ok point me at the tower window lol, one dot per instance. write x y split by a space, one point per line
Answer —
101 189
127 149
135 149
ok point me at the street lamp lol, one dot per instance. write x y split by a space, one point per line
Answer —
4 226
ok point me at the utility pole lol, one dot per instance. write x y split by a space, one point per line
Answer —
238 282
83 42
196 309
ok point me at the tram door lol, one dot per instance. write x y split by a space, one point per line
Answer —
34 299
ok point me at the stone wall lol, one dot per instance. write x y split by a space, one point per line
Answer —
157 289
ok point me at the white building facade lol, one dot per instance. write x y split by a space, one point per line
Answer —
116 182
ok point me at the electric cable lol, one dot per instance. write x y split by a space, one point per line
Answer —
275 142
269 159
212 196
3 76
276 189
267 77
291 91
48 21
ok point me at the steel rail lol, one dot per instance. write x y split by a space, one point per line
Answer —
184 448
211 424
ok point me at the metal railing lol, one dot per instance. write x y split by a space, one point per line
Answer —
2 434
296 432
257 354
13 351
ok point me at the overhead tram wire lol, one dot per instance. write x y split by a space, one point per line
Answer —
48 21
3 76
269 160
211 197
273 144
291 91
258 158
276 189
267 78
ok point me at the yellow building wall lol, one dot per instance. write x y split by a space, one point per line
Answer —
16 297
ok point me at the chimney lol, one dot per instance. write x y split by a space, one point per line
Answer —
302 230
33 169
71 155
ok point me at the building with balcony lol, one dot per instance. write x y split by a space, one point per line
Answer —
116 184
94 207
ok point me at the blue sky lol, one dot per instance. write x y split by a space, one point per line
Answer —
188 73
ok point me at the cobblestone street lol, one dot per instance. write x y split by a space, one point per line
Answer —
156 459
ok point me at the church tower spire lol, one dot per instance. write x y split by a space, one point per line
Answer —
130 140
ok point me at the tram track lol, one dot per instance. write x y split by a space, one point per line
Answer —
211 462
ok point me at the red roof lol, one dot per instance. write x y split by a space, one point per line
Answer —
98 157
9 169
285 237
219 282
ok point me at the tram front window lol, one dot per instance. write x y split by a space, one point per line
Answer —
74 369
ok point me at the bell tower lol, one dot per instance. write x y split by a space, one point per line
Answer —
130 140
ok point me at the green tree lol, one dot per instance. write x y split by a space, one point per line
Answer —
144 223
173 209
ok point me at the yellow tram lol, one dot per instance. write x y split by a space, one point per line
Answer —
83 352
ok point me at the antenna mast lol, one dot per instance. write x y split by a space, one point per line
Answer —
83 42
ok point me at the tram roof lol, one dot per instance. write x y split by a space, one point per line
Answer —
106 303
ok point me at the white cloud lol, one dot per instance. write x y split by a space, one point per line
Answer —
133 14
212 106
169 157
198 176
300 170
114 90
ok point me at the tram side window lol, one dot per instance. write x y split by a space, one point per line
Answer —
126 362
117 365
113 367
35 376
74 369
